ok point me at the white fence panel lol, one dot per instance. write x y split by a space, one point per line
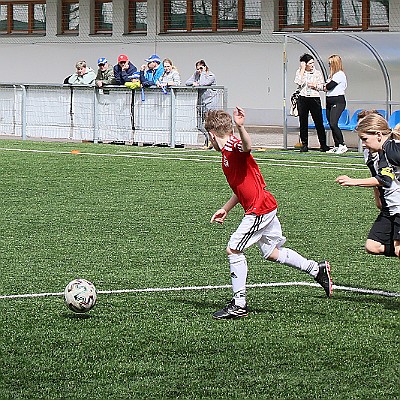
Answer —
152 117
82 113
48 112
108 115
186 131
10 110
114 115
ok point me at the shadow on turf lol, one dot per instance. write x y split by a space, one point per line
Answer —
390 303
76 315
216 305
386 302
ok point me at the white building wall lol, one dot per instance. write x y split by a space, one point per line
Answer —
250 65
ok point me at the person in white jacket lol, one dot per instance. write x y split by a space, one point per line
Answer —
84 75
170 76
310 80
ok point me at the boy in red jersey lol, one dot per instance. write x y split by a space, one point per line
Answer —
260 223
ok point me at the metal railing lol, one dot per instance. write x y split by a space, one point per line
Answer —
110 114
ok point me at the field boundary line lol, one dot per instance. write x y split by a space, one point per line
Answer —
210 287
205 158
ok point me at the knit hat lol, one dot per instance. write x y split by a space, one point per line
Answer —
102 60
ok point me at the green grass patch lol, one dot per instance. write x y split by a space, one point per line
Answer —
129 218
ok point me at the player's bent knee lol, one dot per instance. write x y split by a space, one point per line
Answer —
230 251
372 247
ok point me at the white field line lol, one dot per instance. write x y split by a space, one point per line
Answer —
216 159
207 158
194 288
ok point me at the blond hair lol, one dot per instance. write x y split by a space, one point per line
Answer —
373 123
335 64
218 121
364 113
396 132
80 64
169 61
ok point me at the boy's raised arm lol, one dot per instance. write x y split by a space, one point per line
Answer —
238 117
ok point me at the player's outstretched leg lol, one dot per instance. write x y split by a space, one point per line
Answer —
321 271
230 311
324 277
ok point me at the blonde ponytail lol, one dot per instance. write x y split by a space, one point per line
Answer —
396 132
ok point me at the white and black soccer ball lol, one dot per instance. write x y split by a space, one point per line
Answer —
80 295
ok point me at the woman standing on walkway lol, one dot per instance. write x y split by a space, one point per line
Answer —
310 81
207 98
335 101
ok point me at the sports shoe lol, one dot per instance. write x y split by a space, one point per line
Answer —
304 149
324 277
332 150
325 149
231 310
341 149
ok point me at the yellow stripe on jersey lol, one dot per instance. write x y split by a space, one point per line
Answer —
388 172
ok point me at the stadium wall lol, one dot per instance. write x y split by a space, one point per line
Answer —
249 65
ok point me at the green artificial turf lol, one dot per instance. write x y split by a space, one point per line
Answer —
130 218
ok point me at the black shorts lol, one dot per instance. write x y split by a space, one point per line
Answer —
386 229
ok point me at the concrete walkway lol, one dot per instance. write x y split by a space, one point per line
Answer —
272 136
262 136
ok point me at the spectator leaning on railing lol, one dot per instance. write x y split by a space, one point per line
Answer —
123 70
84 75
153 70
207 98
170 76
105 73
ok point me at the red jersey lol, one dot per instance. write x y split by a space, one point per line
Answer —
245 179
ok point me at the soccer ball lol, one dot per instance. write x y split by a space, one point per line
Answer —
80 295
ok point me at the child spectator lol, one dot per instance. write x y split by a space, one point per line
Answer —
84 75
170 76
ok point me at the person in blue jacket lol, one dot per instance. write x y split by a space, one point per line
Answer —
152 70
123 70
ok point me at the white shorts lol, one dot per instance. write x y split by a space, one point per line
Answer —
265 230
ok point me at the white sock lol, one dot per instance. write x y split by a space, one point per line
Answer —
238 268
295 260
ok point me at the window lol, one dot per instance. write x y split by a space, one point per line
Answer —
212 15
379 13
137 19
23 17
70 16
333 14
103 16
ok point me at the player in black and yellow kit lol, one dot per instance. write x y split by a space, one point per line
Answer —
382 156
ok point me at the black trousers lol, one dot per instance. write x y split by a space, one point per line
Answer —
334 108
311 105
